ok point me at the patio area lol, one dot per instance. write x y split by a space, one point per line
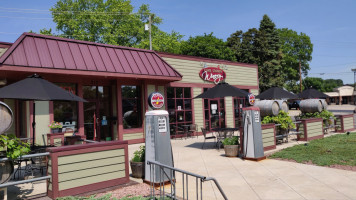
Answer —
267 179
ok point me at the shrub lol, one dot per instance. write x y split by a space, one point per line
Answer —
139 155
234 140
282 118
14 146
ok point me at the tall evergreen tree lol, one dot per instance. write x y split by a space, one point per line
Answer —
262 47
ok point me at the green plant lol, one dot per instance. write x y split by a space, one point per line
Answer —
55 125
326 115
234 140
139 155
14 146
282 118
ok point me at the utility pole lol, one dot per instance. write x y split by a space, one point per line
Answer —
354 70
150 25
300 75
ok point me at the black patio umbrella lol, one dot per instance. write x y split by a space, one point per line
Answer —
222 90
312 94
276 93
36 88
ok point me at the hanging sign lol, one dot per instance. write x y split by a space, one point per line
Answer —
156 100
251 99
212 74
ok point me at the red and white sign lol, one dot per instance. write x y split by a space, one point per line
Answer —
212 74
156 100
251 99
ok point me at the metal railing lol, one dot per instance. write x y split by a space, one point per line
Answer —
24 181
168 173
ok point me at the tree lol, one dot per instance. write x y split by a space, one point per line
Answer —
262 47
164 42
295 48
207 46
322 85
110 22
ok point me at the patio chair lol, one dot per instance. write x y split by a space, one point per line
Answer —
37 163
192 129
203 130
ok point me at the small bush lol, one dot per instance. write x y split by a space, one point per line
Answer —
139 155
234 140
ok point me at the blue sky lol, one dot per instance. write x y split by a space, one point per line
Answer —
330 24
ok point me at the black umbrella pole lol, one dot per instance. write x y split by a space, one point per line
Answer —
34 123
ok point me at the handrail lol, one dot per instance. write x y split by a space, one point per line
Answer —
203 178
27 156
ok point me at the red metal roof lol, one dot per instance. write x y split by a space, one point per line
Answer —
41 51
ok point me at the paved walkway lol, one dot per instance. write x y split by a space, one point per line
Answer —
267 179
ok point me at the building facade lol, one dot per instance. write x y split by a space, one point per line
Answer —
116 81
342 95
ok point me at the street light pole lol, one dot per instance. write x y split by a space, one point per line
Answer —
354 70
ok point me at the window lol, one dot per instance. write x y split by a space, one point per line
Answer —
179 102
239 103
131 106
66 112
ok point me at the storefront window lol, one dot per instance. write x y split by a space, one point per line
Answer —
179 102
131 106
66 112
239 103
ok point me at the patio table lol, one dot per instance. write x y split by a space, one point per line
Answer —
222 133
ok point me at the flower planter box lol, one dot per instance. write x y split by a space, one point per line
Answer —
344 123
268 136
310 129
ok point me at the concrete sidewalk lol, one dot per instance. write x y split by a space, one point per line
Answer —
267 179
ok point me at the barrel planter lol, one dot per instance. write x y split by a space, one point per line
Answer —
268 136
310 129
283 105
344 123
231 150
267 107
311 105
6 117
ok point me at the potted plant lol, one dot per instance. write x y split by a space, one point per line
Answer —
283 119
12 147
55 127
231 146
137 163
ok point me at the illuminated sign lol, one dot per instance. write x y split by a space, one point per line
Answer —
156 100
212 74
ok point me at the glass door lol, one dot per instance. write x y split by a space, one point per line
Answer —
97 115
214 113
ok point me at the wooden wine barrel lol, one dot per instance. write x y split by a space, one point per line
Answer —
325 105
6 170
283 105
311 105
6 117
268 107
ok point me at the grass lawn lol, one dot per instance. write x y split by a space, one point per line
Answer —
333 150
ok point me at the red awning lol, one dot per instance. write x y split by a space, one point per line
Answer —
41 51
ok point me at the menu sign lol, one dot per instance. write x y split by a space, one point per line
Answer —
212 74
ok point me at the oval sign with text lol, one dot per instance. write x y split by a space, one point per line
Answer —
156 100
212 74
251 99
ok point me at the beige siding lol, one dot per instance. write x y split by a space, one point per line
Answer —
198 109
301 130
132 136
88 168
235 75
161 90
348 123
42 120
229 112
315 129
254 91
268 137
2 51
